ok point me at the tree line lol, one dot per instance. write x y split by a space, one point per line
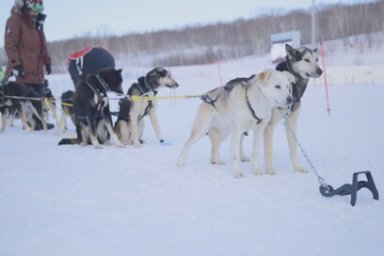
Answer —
202 44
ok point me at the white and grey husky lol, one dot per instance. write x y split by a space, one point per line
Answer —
302 64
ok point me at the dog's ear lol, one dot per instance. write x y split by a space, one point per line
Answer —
152 76
291 52
265 75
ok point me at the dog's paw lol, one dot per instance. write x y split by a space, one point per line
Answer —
300 168
257 172
271 171
244 159
120 145
165 143
238 174
217 162
180 164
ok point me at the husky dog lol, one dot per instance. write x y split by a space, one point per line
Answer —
240 105
8 105
67 109
91 107
50 103
302 64
129 125
9 94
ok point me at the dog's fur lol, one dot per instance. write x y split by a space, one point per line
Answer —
91 107
50 103
67 109
129 125
302 64
240 105
25 108
8 106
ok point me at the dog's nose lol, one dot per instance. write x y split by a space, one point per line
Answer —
319 71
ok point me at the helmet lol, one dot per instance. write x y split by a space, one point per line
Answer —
34 5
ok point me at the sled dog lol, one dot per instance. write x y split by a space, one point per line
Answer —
302 64
9 106
66 109
14 98
240 105
129 125
91 107
49 103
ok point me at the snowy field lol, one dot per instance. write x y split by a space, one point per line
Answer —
79 201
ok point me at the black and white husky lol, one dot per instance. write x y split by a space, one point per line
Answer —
242 104
302 64
67 109
24 100
130 124
91 108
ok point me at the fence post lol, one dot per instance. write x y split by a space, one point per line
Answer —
322 52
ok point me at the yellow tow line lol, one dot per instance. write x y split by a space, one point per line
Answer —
138 98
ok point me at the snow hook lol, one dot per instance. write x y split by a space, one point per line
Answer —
351 189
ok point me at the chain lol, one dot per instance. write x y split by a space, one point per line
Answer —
311 165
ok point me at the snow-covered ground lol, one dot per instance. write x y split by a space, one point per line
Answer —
73 200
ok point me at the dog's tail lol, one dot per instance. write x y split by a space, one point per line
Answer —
67 141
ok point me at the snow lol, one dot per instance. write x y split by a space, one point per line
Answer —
73 200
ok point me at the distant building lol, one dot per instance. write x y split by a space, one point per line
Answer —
278 42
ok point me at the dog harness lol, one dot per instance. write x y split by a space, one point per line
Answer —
96 90
99 91
144 87
258 119
209 100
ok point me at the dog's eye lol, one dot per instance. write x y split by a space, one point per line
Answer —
277 86
306 60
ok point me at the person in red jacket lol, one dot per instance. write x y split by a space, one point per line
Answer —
26 46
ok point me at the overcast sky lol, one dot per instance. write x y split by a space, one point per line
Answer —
71 18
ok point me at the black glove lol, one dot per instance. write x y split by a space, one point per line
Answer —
48 69
18 71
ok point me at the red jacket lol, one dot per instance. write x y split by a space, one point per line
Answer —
27 46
